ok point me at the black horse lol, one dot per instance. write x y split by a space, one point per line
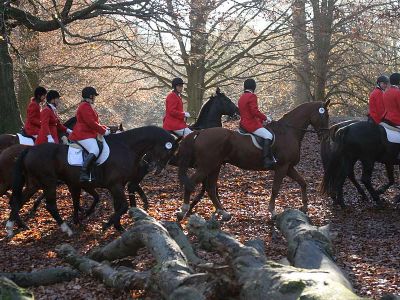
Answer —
43 165
361 141
210 116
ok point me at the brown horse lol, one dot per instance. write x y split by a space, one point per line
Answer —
209 149
41 166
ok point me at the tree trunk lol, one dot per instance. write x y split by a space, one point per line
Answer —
28 77
9 112
302 68
195 90
322 23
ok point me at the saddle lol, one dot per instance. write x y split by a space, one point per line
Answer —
77 153
392 132
25 139
257 141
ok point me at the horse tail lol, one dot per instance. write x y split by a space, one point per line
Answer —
336 164
18 176
185 160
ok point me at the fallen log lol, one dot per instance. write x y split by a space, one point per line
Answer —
260 278
9 290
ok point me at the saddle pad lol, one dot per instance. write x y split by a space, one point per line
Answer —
75 154
253 139
23 140
393 136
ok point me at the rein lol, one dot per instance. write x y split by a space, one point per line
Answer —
306 130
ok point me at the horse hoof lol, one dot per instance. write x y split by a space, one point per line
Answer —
65 228
225 216
304 209
120 229
105 227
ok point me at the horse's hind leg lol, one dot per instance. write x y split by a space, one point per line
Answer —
198 197
51 206
390 176
212 191
292 173
120 207
367 169
96 199
280 173
360 190
36 205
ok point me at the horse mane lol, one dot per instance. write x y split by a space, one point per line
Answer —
155 132
205 109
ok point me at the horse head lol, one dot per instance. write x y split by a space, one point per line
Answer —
162 152
225 105
319 118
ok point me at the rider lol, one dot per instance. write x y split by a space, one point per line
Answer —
49 121
32 123
86 130
174 119
391 101
376 108
251 119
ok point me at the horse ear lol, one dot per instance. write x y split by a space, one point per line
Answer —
218 91
120 128
327 102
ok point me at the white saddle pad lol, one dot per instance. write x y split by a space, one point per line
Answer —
75 154
255 143
392 133
23 140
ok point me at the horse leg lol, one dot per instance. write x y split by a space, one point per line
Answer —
212 191
36 205
367 169
96 199
51 206
135 187
197 177
280 173
198 197
360 190
76 196
120 207
292 173
390 176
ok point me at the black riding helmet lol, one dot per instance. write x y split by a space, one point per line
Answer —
52 94
395 79
39 91
250 84
177 81
88 92
382 78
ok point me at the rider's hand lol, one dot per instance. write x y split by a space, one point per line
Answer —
187 115
50 139
69 131
107 132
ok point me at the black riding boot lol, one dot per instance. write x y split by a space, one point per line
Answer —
269 160
85 171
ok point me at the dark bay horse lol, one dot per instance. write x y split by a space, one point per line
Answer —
327 143
209 149
41 166
8 158
365 142
209 116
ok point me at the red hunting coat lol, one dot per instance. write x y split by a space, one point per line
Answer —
174 115
376 108
250 117
32 123
391 101
49 124
87 123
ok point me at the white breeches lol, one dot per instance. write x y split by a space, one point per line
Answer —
183 132
91 146
264 133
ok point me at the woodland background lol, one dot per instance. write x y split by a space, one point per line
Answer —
298 51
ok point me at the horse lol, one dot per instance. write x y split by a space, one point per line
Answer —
209 149
326 152
7 162
210 116
41 166
365 142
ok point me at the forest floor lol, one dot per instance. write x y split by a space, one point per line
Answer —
366 243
